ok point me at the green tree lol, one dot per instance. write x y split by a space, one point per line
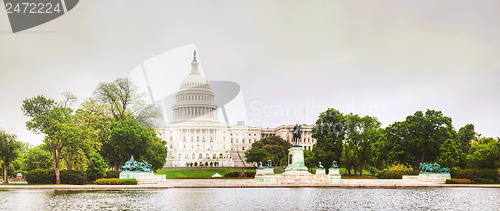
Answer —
329 132
9 151
485 153
349 157
122 99
276 147
309 159
96 167
418 139
450 154
128 138
37 158
257 155
361 133
56 120
466 134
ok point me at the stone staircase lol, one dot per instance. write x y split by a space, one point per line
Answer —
239 159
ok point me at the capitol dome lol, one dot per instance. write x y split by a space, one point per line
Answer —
195 99
195 80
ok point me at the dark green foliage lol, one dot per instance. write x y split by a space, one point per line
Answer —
129 182
458 181
257 155
37 158
361 133
477 175
231 174
9 151
48 176
451 181
329 132
309 159
129 138
412 172
276 149
40 176
96 167
416 140
465 135
485 153
237 173
390 175
112 174
251 173
73 177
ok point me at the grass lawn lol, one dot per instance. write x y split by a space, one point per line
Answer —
344 170
195 172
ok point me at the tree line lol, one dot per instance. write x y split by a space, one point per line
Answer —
359 142
100 135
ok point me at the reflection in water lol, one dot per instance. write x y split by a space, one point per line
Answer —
254 199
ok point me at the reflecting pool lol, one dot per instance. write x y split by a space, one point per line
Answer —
255 199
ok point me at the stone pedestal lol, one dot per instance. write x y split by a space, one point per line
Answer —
434 177
334 175
264 171
266 175
133 174
296 162
151 179
320 171
143 177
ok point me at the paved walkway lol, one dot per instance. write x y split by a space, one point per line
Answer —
247 183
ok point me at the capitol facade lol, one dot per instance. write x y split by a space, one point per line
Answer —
196 137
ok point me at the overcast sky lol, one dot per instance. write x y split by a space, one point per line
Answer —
382 58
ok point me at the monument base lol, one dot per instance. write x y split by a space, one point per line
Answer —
143 177
151 179
434 177
334 176
320 171
133 174
264 171
296 162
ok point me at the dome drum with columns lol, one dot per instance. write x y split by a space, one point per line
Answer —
195 99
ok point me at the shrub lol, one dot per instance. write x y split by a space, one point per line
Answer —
73 177
463 181
451 181
130 182
412 172
484 176
112 174
231 174
396 166
48 176
41 176
109 181
390 175
236 174
458 181
251 173
372 170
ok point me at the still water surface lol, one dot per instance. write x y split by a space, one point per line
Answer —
256 199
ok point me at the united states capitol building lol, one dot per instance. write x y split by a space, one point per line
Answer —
195 134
